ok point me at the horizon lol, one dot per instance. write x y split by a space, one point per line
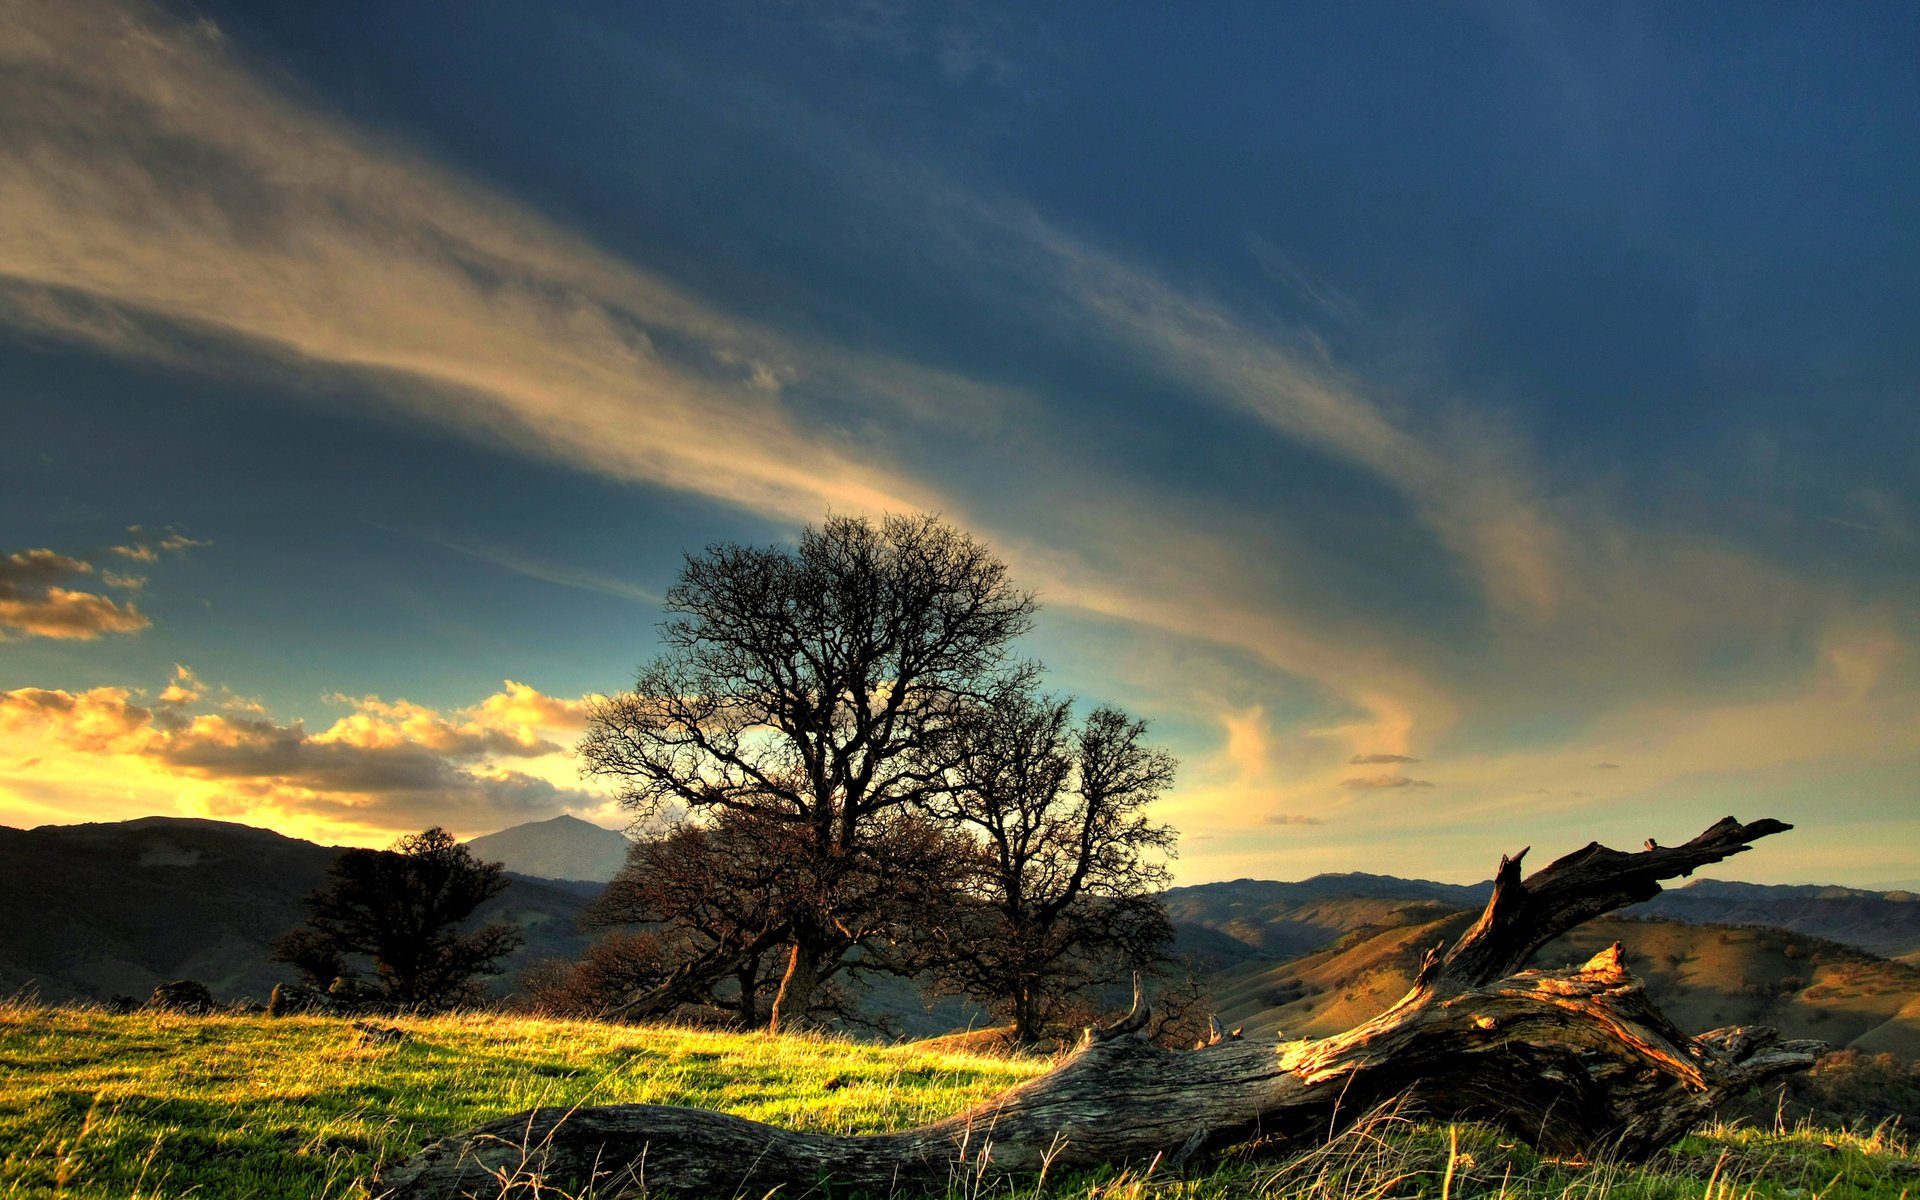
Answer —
1451 431
1886 886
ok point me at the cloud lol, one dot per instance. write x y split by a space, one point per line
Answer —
1290 819
142 551
128 583
537 568
1371 782
33 602
185 688
1606 766
301 241
385 766
507 724
299 238
1468 481
1362 760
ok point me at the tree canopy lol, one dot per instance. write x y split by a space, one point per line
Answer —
400 910
821 687
1061 890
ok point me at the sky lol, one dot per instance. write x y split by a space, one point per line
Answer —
1453 427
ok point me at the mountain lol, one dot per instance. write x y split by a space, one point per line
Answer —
1701 976
87 911
562 848
1886 923
1283 920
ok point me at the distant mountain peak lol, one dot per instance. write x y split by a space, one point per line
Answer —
562 847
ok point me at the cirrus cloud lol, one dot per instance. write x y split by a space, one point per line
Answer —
1372 782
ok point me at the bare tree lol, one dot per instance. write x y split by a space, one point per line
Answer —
1063 885
718 894
816 686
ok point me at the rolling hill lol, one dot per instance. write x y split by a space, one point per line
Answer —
1886 923
88 911
1273 920
1283 920
1702 976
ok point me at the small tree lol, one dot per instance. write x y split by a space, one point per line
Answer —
816 687
400 909
1064 884
716 896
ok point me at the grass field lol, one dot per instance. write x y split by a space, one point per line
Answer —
154 1105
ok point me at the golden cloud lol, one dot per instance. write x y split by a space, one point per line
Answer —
1372 782
386 766
34 603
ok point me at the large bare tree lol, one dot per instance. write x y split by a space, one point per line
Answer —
817 686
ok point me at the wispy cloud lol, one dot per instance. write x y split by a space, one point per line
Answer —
535 568
298 237
144 549
1365 783
1363 760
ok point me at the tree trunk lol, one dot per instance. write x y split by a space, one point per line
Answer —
790 1003
1026 1013
749 978
1576 1061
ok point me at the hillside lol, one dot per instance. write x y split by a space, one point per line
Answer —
88 911
1701 976
564 847
1886 923
1284 920
1264 919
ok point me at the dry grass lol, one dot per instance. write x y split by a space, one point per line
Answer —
149 1106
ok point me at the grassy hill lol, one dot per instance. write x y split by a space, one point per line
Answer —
156 1106
1703 977
90 910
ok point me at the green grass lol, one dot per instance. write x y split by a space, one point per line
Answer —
153 1105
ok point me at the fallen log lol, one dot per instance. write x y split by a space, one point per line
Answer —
1577 1061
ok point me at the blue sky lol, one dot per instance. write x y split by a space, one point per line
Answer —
1453 427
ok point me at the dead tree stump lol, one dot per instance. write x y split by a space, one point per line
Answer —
1577 1061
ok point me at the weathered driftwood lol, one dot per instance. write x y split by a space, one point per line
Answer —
1576 1061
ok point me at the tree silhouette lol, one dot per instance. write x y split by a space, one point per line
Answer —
1063 887
816 687
400 909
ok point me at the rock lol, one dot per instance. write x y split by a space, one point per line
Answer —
121 1005
380 1035
295 999
183 996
